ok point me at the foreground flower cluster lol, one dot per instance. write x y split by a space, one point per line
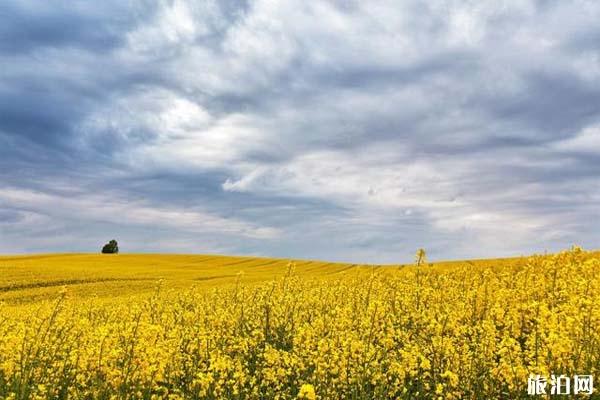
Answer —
426 332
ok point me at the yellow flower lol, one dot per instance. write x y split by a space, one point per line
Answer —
452 378
439 388
307 391
403 332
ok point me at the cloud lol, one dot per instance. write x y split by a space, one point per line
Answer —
337 130
10 216
586 141
97 207
29 26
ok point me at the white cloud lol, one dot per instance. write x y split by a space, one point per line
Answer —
451 116
92 208
586 141
175 23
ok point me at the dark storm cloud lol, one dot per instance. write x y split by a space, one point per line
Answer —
27 26
42 114
552 106
335 130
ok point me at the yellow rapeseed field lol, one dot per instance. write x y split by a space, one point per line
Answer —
213 327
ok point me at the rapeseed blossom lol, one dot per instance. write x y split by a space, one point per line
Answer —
307 392
450 332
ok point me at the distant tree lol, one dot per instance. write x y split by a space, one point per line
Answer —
111 247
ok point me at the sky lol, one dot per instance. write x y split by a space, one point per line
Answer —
339 130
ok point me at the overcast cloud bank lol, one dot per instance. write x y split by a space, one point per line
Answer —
340 130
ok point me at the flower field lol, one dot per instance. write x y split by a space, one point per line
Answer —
192 327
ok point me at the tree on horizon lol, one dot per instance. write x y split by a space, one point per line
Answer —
111 247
